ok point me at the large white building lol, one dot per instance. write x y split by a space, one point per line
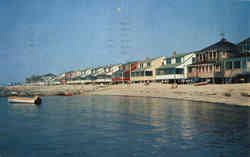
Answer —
175 68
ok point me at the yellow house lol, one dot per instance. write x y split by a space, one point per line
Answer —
146 70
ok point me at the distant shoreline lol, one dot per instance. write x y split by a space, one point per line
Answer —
233 94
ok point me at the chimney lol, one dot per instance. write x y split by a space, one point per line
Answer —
174 54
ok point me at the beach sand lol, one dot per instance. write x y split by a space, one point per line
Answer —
236 94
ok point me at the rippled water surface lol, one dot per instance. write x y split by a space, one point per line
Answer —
104 126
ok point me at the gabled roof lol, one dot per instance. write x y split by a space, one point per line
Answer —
150 59
223 43
49 75
181 54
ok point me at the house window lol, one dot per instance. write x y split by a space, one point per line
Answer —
157 72
189 69
168 60
125 75
148 64
210 55
160 72
178 60
141 65
179 71
193 60
217 67
149 73
237 65
229 65
244 63
214 55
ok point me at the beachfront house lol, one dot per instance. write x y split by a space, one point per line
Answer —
100 75
74 77
80 76
174 68
50 79
124 72
76 74
209 64
146 70
106 76
245 46
47 79
60 77
85 72
87 76
237 69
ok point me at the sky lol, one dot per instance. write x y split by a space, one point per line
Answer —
55 36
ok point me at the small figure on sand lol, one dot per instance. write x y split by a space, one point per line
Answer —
146 83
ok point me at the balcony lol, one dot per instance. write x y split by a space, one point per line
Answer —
204 74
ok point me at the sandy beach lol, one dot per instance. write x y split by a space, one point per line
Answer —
236 94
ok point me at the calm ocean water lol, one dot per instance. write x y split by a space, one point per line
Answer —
102 126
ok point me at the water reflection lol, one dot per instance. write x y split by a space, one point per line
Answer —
127 126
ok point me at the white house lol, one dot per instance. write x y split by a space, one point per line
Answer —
104 75
175 68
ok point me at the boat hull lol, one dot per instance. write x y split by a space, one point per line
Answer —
201 83
35 100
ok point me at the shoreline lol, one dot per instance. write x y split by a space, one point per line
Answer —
231 94
201 101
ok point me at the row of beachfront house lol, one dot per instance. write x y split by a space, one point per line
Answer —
219 63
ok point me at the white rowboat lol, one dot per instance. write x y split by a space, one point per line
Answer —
35 100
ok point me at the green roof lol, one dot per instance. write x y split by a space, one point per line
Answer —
119 71
140 70
181 54
168 66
